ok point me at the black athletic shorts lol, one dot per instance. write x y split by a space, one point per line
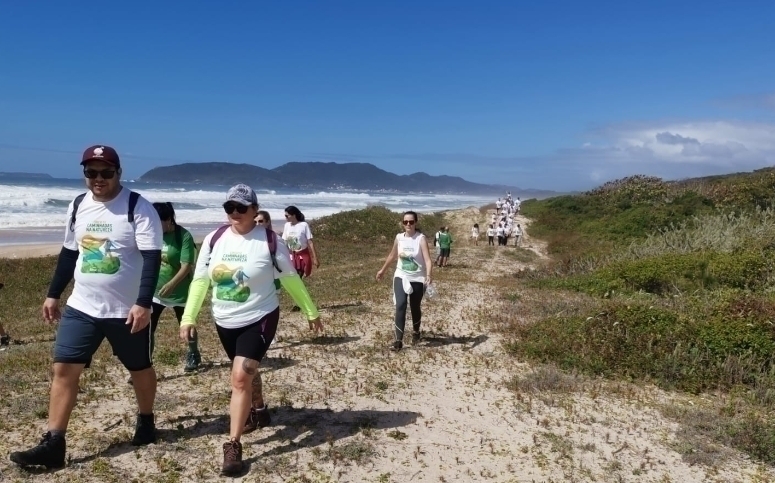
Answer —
445 252
251 341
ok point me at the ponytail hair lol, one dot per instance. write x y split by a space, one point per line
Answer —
292 210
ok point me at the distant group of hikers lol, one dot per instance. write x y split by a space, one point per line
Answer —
131 260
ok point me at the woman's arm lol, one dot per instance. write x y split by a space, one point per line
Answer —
313 253
391 257
426 253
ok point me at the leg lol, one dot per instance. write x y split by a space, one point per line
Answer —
78 337
243 371
156 310
400 317
134 352
415 299
193 357
64 392
249 344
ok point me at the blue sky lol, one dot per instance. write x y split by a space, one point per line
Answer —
554 95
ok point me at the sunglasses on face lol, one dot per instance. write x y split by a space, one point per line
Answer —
103 173
260 220
230 208
408 222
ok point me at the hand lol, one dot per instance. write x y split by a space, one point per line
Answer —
316 325
51 313
166 289
187 333
317 263
138 318
427 280
380 274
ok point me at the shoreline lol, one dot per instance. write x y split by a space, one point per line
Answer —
49 240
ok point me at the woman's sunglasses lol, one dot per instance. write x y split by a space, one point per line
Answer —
103 173
230 208
260 220
408 222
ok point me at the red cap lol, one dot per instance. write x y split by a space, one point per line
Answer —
100 152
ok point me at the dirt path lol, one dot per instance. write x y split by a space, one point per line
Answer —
347 409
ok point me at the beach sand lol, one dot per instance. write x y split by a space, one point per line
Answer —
29 250
346 409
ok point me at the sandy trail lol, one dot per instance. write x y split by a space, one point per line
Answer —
347 409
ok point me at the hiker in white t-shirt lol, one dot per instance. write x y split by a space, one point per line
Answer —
112 248
411 278
490 235
298 236
475 234
238 261
518 232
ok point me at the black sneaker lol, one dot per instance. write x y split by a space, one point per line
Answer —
193 360
257 418
50 452
397 346
232 458
5 340
145 430
415 338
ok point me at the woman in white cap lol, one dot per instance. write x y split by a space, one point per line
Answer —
241 261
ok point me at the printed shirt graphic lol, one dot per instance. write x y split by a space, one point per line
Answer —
242 276
411 263
107 274
297 236
176 251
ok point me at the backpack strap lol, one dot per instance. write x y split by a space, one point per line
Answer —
76 203
133 197
271 239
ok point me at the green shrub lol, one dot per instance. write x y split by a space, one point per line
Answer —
707 346
372 223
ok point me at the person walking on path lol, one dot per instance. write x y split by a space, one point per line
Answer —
518 232
241 261
475 234
445 244
412 276
490 236
178 256
112 247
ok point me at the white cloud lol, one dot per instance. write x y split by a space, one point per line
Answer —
715 143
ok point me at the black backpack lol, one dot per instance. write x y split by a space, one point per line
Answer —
133 197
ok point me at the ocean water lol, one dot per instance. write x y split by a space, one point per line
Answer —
35 210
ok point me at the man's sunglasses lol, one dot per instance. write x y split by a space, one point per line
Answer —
408 222
103 173
230 208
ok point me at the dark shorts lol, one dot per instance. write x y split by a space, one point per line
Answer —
251 341
445 252
79 335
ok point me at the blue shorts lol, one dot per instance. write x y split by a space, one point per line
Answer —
79 336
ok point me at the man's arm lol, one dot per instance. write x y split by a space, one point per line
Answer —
63 273
149 236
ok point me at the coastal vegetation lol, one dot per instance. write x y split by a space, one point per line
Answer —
671 283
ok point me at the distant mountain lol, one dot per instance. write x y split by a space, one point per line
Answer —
327 176
19 174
